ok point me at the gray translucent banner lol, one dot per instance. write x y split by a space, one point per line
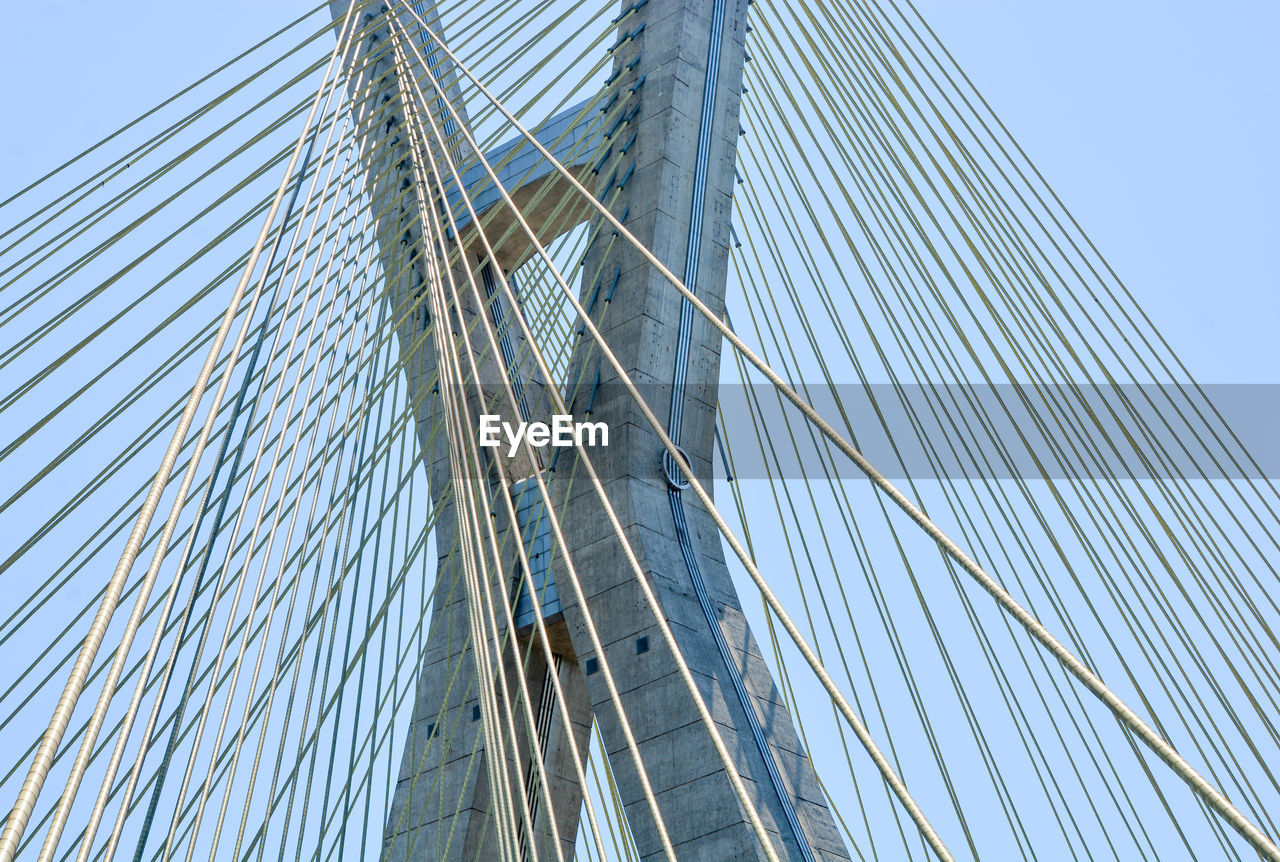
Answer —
1219 431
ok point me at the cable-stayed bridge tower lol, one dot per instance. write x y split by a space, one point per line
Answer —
669 173
610 429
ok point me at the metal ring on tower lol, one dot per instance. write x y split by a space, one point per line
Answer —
671 470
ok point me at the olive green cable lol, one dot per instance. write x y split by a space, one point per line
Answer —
474 561
518 544
366 289
940 760
1192 537
1089 265
81 226
190 303
158 422
172 99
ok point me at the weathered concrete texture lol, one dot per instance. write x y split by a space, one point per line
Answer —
542 196
698 805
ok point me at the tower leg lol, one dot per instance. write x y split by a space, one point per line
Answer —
682 170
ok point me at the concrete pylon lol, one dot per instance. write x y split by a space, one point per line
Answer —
669 174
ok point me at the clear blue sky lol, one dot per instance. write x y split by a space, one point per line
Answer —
1155 122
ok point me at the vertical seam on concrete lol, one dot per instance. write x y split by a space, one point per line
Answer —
693 250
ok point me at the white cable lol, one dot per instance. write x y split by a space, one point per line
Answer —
731 771
890 775
108 852
593 634
16 823
349 493
1157 743
135 703
279 579
323 539
438 235
496 758
131 714
483 635
206 787
504 485
272 354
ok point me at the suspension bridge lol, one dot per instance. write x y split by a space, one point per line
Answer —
585 430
